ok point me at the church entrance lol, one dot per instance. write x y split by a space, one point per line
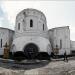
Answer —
31 50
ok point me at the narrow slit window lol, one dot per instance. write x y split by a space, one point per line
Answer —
43 26
1 43
31 23
18 26
60 44
24 13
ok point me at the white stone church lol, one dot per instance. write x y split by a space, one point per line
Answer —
31 36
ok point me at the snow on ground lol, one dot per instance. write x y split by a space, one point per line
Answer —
51 68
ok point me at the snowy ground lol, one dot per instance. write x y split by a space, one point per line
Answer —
43 68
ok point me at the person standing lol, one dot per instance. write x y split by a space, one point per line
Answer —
65 57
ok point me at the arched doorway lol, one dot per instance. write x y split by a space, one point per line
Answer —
31 50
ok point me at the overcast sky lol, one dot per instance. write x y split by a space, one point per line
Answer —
58 13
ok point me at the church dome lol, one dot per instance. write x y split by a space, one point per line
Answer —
31 21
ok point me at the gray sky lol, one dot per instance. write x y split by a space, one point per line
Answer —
58 13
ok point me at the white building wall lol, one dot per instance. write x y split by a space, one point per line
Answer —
5 38
4 35
72 45
42 43
11 37
63 34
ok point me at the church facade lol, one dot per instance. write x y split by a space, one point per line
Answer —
31 36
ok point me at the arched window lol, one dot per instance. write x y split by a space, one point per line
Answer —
1 43
31 23
43 26
18 26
